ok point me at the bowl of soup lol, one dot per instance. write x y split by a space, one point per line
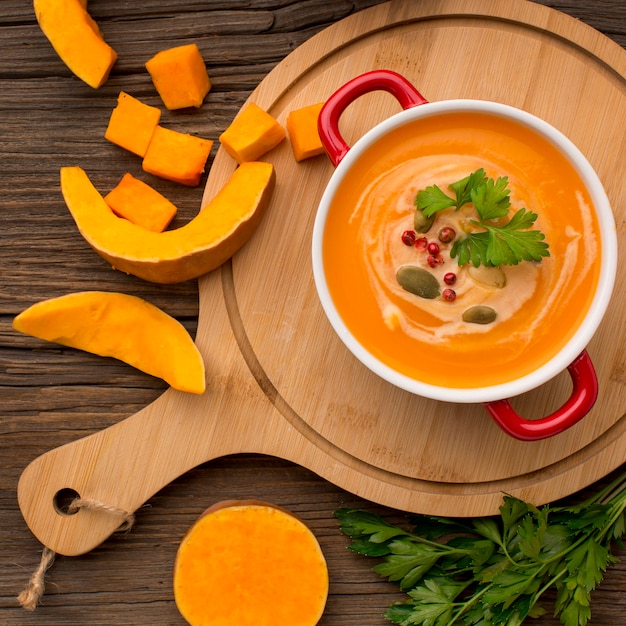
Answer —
464 251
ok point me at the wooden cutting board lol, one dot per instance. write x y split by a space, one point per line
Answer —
280 382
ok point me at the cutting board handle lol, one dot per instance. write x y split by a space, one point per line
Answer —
120 467
376 80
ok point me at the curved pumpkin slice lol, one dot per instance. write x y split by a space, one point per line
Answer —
76 38
172 256
120 326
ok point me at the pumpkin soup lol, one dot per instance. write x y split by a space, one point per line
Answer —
473 326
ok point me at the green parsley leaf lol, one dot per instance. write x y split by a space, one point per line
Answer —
464 188
510 584
360 524
494 243
502 245
433 527
471 249
407 563
493 571
491 198
432 199
488 528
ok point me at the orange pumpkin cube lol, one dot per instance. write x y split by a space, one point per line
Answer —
176 156
180 76
140 204
302 130
132 123
251 134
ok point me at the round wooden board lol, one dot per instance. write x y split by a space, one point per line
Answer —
280 382
513 52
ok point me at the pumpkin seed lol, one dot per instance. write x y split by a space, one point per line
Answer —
418 281
489 276
479 314
421 223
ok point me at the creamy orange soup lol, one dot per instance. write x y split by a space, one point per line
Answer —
543 302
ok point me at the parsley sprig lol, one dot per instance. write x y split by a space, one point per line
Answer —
493 571
496 243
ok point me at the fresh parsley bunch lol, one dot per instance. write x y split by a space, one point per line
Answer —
495 243
493 571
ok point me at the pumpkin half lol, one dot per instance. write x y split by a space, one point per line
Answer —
172 256
76 38
120 326
250 563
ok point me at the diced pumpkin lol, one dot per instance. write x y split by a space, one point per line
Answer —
76 38
176 156
303 134
143 205
251 134
123 327
173 256
248 563
132 123
180 76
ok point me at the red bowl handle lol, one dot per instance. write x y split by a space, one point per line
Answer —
376 80
580 402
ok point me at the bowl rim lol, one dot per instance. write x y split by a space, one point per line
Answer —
583 335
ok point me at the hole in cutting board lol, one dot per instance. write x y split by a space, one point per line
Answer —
62 500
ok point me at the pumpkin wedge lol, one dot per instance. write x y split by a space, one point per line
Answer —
120 326
249 562
172 256
76 38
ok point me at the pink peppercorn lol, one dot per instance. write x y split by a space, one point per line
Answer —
449 278
433 248
449 295
409 237
434 260
421 243
446 234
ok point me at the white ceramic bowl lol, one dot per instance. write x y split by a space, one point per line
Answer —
416 107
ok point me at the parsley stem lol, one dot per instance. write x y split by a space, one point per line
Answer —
549 583
468 604
616 491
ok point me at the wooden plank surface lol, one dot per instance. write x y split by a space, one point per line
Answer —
50 395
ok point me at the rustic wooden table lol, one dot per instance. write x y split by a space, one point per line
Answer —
51 395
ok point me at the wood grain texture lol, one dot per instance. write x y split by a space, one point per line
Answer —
51 395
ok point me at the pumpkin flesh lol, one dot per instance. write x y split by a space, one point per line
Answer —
250 563
132 124
172 256
120 326
301 127
251 134
76 38
180 76
141 204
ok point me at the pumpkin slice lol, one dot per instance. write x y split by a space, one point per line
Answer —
173 256
76 38
120 326
248 563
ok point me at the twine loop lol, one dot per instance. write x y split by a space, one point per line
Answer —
89 504
29 598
